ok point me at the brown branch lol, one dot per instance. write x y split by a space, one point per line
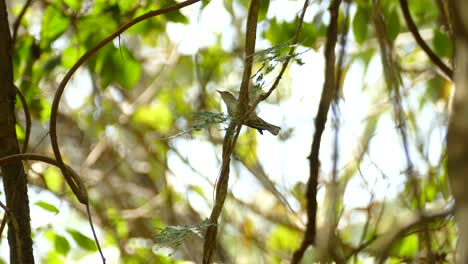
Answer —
18 22
332 239
414 30
250 38
230 139
77 185
320 121
14 176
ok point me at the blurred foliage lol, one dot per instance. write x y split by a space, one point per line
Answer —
143 123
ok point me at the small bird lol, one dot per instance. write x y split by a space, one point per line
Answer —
252 120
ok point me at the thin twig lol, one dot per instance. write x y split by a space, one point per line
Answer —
28 119
230 138
94 234
18 22
414 30
333 187
320 121
250 38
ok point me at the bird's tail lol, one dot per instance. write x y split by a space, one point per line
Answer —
260 124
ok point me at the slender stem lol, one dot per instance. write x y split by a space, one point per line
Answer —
28 120
320 121
250 38
18 21
414 30
232 134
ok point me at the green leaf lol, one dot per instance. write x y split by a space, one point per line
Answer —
442 44
174 16
279 32
157 116
120 224
93 29
149 29
365 56
423 11
61 244
209 62
118 65
53 258
283 239
362 2
312 33
54 24
197 189
127 5
22 55
19 132
54 179
75 4
430 192
82 240
264 4
393 24
406 247
71 54
47 206
177 17
437 88
45 109
360 24
185 68
51 63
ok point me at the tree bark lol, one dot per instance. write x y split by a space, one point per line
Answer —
14 177
457 138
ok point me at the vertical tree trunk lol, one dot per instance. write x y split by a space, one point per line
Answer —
14 177
457 138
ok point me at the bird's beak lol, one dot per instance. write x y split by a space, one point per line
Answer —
219 91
